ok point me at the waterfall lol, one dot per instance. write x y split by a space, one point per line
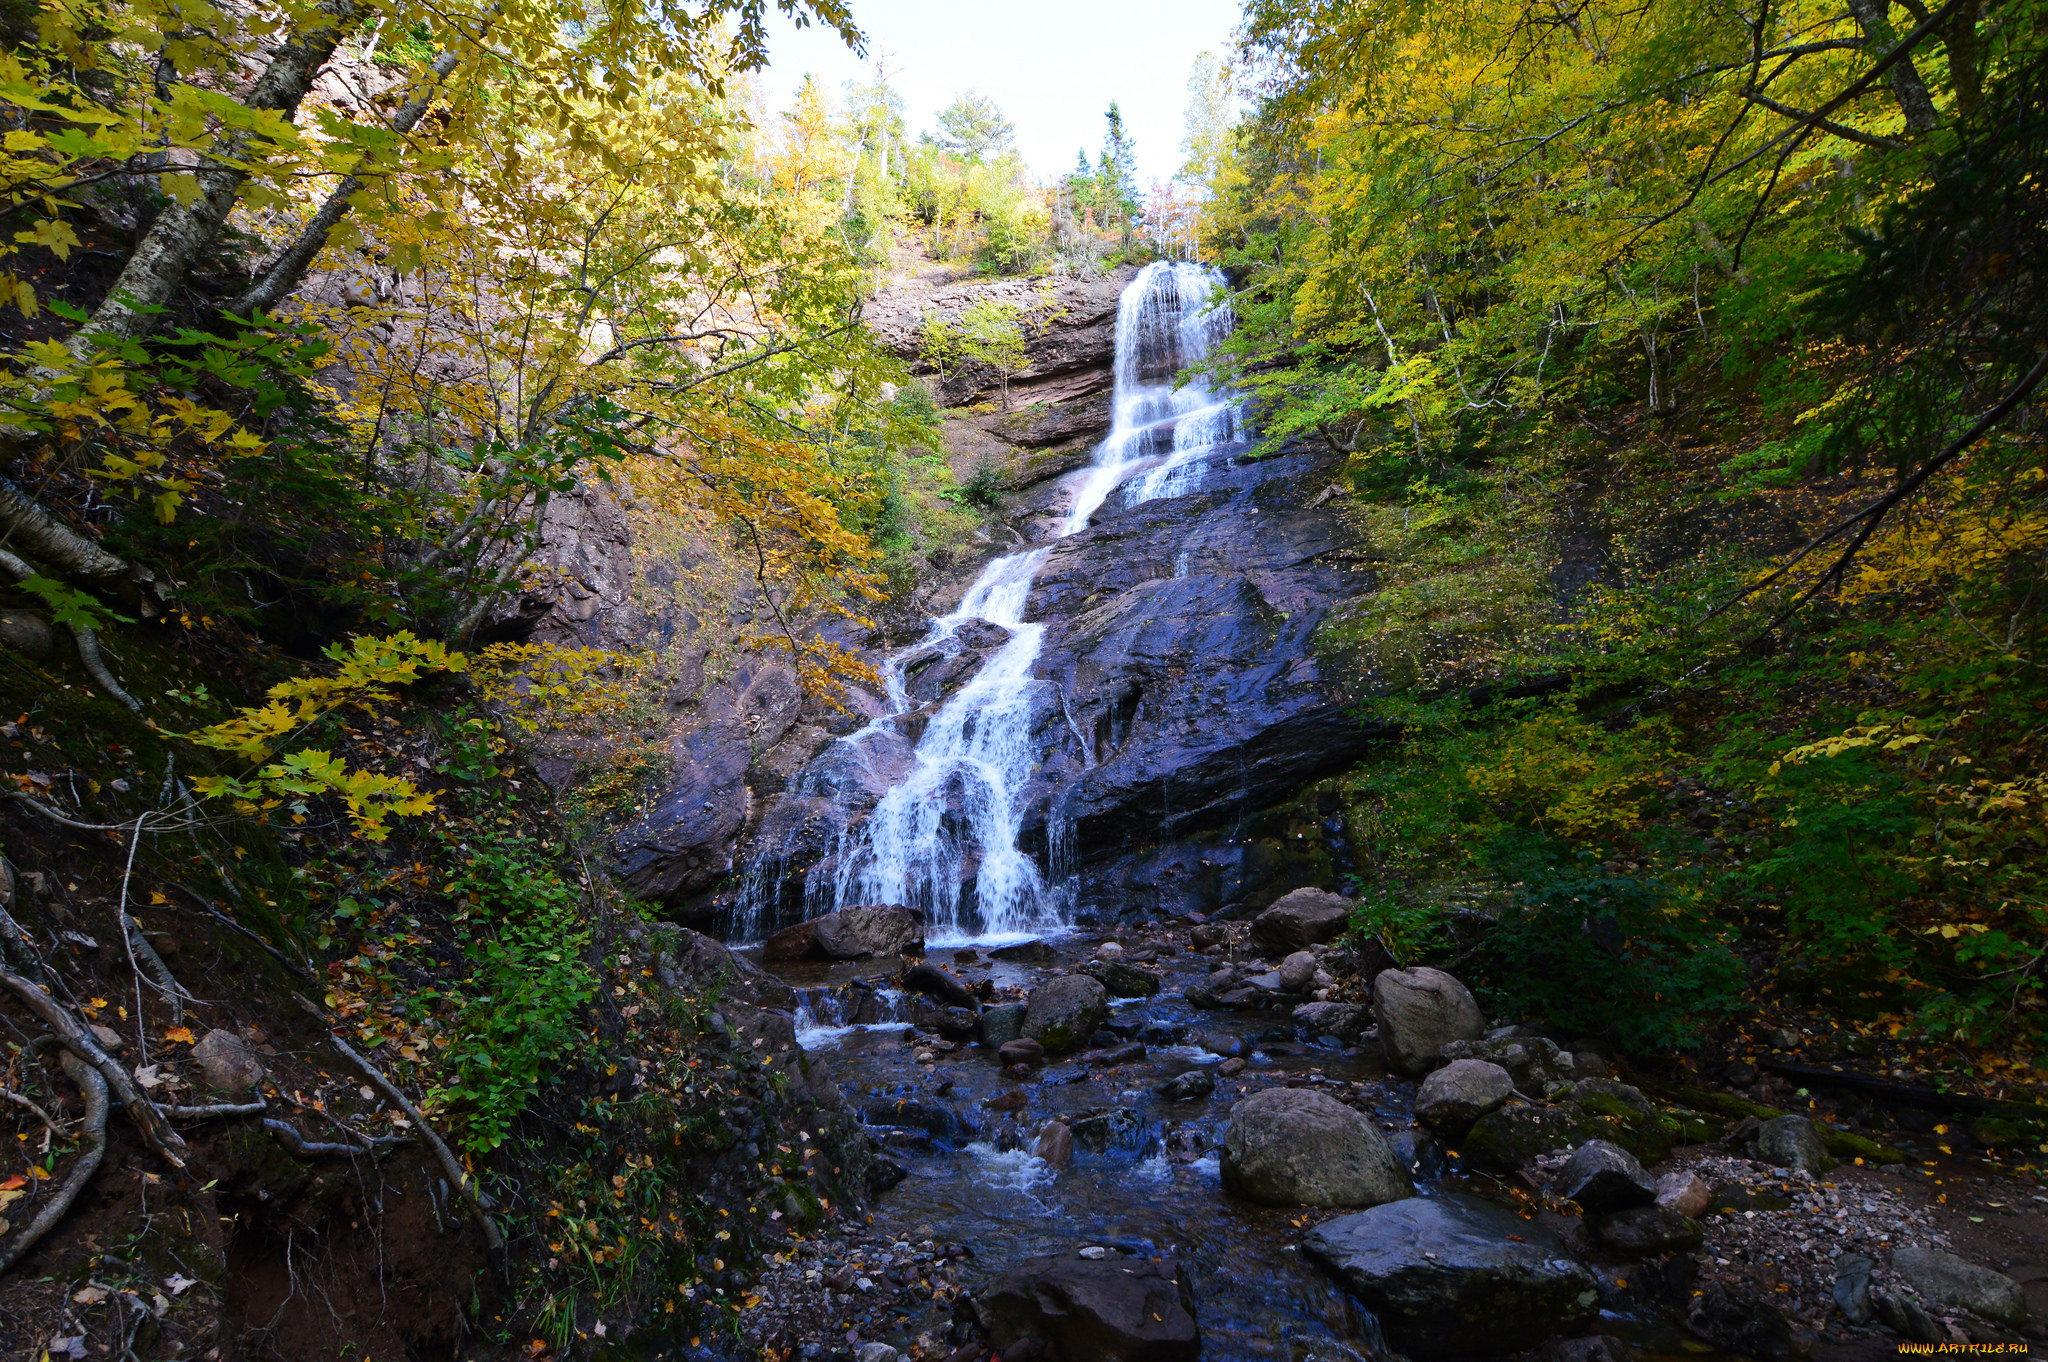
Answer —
953 818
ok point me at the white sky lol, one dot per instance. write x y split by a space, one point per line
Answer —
1053 66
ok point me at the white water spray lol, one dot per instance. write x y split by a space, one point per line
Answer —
954 816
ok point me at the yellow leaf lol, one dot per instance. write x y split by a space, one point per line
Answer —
180 1035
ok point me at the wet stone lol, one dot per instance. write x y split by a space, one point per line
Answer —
1454 1276
1187 1087
1002 1023
1604 1178
1646 1231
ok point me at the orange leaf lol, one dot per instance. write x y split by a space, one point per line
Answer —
181 1034
16 1181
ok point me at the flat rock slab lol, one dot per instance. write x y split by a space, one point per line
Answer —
1454 1276
1111 1310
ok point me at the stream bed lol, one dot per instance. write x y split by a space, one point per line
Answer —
1143 1180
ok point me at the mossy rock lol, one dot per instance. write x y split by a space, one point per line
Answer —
1514 1135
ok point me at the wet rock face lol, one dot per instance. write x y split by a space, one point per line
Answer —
1108 1310
1179 691
1191 700
1454 1276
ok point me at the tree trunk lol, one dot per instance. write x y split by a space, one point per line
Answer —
285 272
1874 18
182 231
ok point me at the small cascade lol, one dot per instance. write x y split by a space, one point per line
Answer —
952 820
824 1014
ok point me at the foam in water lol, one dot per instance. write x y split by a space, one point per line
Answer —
1008 1170
955 815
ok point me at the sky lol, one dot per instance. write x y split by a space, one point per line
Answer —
1052 65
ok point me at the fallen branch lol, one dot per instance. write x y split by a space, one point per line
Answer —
478 1200
95 1148
156 1131
41 1115
200 1113
288 1136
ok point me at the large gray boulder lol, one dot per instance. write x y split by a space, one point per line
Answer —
858 932
1304 918
1111 1310
1291 1147
1944 1279
1792 1142
1346 1021
1455 1096
1533 1062
1420 1011
1062 1013
1604 1178
1454 1276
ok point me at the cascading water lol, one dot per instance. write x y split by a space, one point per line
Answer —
954 816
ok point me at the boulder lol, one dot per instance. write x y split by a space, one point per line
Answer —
956 1023
936 983
1944 1279
1292 1147
1304 918
1646 1231
1298 972
877 1352
1509 1136
1346 1021
27 633
1108 1310
227 1062
798 941
1685 1192
1187 1087
1122 979
1730 1316
1454 1276
1002 1023
1023 1050
1455 1096
1606 1097
1419 1012
1533 1062
1063 1013
1899 1312
1792 1142
862 931
1852 1289
1207 935
1055 1144
1604 1178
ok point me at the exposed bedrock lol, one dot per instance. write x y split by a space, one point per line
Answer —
1178 694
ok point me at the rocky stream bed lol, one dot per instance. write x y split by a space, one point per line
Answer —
1249 1140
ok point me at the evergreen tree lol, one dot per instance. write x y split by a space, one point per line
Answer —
1118 175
